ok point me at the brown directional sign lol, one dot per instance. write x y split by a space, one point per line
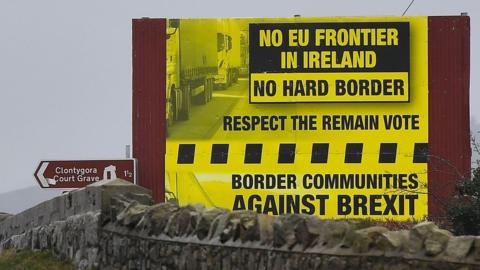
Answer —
80 173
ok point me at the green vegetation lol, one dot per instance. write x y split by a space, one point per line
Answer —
464 210
31 260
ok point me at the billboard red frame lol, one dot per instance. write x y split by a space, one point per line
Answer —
449 115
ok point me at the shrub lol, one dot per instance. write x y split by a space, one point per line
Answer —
464 209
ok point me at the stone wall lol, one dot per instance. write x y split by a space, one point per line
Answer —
124 230
94 198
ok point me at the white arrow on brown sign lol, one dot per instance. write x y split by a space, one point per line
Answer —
40 175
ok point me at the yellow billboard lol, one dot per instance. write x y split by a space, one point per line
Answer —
320 116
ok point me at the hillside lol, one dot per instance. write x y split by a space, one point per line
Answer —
21 199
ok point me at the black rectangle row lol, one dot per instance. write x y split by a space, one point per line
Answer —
286 153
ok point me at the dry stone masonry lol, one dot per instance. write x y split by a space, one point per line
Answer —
115 225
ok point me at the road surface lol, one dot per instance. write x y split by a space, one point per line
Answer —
206 119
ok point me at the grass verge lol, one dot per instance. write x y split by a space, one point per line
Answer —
31 260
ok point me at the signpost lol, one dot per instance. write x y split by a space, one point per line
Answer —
80 173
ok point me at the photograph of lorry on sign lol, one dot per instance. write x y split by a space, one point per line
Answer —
320 116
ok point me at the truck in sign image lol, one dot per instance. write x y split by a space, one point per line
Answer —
191 66
195 64
228 48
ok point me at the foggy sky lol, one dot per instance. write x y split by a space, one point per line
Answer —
65 69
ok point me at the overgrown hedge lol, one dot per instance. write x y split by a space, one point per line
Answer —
464 209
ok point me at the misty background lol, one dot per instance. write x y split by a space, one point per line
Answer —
65 73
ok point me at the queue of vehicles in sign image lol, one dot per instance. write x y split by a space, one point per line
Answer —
202 55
